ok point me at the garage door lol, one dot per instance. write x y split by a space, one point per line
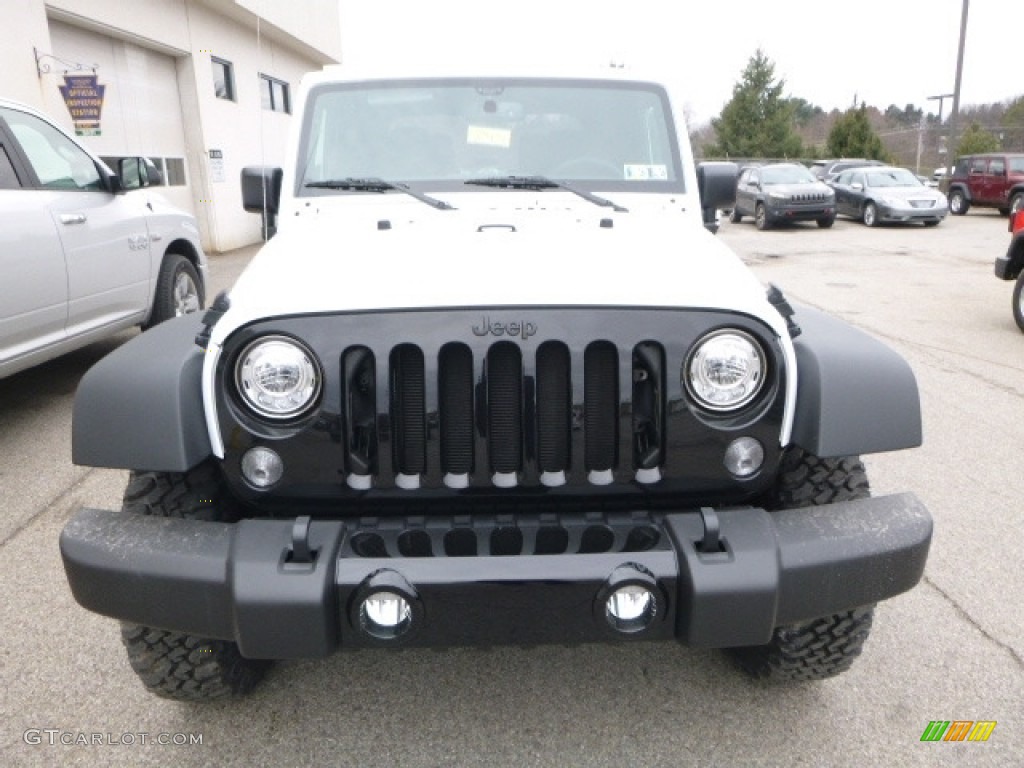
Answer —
141 112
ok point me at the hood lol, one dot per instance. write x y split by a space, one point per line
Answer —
401 256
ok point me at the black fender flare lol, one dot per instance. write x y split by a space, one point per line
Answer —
855 395
141 406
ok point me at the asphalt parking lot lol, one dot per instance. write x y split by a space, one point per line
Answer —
951 649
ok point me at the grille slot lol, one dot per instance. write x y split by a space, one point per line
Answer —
455 400
554 407
505 408
408 415
600 411
648 405
360 403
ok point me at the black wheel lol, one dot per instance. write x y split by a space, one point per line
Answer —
761 217
825 646
931 223
735 216
170 664
870 215
178 290
1016 203
826 222
1018 301
958 203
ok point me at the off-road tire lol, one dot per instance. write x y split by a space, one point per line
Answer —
825 646
1018 301
178 290
1016 203
958 202
735 216
176 665
187 668
826 222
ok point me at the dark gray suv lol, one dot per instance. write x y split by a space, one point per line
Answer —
783 192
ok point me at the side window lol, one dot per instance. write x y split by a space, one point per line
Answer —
58 162
843 178
978 165
997 167
223 79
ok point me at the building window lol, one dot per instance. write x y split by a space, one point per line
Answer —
274 94
223 79
172 169
175 176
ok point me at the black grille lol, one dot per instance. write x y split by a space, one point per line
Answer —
499 412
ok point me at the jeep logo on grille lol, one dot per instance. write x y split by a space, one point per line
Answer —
522 328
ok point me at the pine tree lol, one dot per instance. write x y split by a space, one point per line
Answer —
758 120
853 136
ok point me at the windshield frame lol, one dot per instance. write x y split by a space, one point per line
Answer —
453 184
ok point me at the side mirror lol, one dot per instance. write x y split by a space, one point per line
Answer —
261 189
716 184
261 193
138 173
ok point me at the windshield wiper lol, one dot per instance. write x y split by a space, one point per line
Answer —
379 185
543 182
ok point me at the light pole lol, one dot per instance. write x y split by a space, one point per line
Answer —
942 100
951 148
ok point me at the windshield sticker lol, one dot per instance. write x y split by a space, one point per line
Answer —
489 137
638 172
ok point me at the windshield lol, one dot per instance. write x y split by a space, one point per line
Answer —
787 174
601 133
893 177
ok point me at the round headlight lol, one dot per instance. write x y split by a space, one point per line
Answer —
725 371
277 377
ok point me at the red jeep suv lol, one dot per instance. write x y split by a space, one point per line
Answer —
991 180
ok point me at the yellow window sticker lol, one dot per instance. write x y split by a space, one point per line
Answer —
489 137
642 172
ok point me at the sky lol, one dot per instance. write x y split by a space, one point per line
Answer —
830 53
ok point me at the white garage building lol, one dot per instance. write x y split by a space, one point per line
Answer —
202 87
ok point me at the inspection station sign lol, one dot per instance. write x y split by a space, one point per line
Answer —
83 96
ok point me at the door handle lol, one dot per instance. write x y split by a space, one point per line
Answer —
72 218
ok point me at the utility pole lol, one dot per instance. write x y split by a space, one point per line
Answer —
951 147
942 100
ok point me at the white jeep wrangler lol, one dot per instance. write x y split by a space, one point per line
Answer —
492 381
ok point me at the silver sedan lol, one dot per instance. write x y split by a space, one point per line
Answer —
886 194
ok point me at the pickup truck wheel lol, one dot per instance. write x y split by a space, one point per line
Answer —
1018 301
176 665
178 290
825 646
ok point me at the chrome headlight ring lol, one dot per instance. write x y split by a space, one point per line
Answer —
725 371
278 378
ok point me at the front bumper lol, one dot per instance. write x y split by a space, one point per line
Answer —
907 214
246 581
780 212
